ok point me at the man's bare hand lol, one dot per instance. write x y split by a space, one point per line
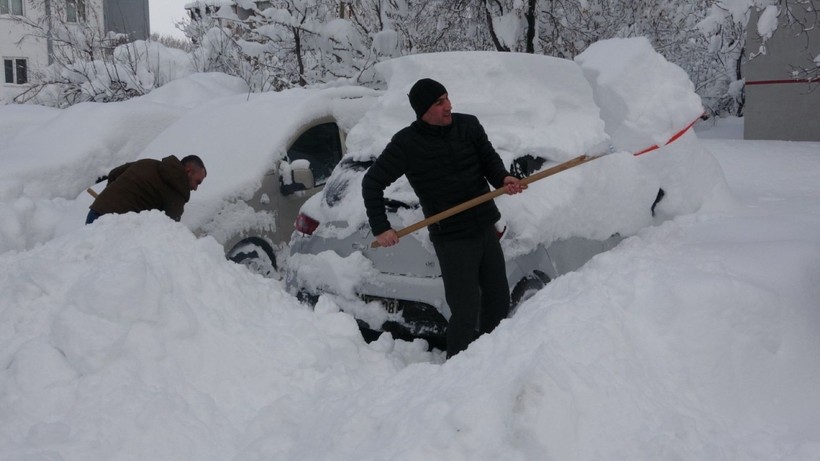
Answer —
513 185
388 238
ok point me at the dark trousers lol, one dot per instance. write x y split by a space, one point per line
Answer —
92 216
475 285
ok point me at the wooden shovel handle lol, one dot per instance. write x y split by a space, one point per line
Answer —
488 196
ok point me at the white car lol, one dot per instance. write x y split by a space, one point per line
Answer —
266 154
538 111
405 279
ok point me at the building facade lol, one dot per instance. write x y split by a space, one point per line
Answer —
782 86
30 32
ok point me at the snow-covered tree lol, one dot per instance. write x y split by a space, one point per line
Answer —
277 44
564 28
86 63
726 24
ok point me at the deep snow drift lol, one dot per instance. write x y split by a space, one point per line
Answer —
697 338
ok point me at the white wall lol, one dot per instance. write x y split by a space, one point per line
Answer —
34 49
777 107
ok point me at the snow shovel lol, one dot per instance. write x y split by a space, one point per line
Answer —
581 159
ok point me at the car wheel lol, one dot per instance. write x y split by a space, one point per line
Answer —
257 255
527 287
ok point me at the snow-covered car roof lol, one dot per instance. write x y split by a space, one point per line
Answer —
240 138
528 104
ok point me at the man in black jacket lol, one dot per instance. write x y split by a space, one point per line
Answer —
448 160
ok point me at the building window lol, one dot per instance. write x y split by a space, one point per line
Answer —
16 70
14 7
74 10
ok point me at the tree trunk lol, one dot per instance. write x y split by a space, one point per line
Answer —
530 15
300 65
496 42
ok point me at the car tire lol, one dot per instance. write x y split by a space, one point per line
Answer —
257 256
527 287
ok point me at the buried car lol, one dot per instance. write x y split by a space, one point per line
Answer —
537 111
266 154
399 289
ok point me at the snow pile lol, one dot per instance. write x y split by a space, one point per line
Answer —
100 134
647 101
644 99
156 65
196 89
133 339
114 345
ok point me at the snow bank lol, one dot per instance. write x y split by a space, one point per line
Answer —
100 134
15 120
113 345
152 346
695 339
197 89
157 64
92 138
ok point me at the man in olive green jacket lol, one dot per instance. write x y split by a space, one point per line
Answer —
150 184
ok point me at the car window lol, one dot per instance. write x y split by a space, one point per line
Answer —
336 188
322 147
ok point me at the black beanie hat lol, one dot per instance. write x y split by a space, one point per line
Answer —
423 94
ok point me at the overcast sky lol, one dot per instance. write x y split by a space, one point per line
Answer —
164 13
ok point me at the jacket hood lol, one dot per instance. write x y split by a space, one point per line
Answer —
173 173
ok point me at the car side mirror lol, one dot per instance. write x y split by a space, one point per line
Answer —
296 177
304 176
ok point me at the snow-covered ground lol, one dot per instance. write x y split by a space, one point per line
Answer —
697 338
